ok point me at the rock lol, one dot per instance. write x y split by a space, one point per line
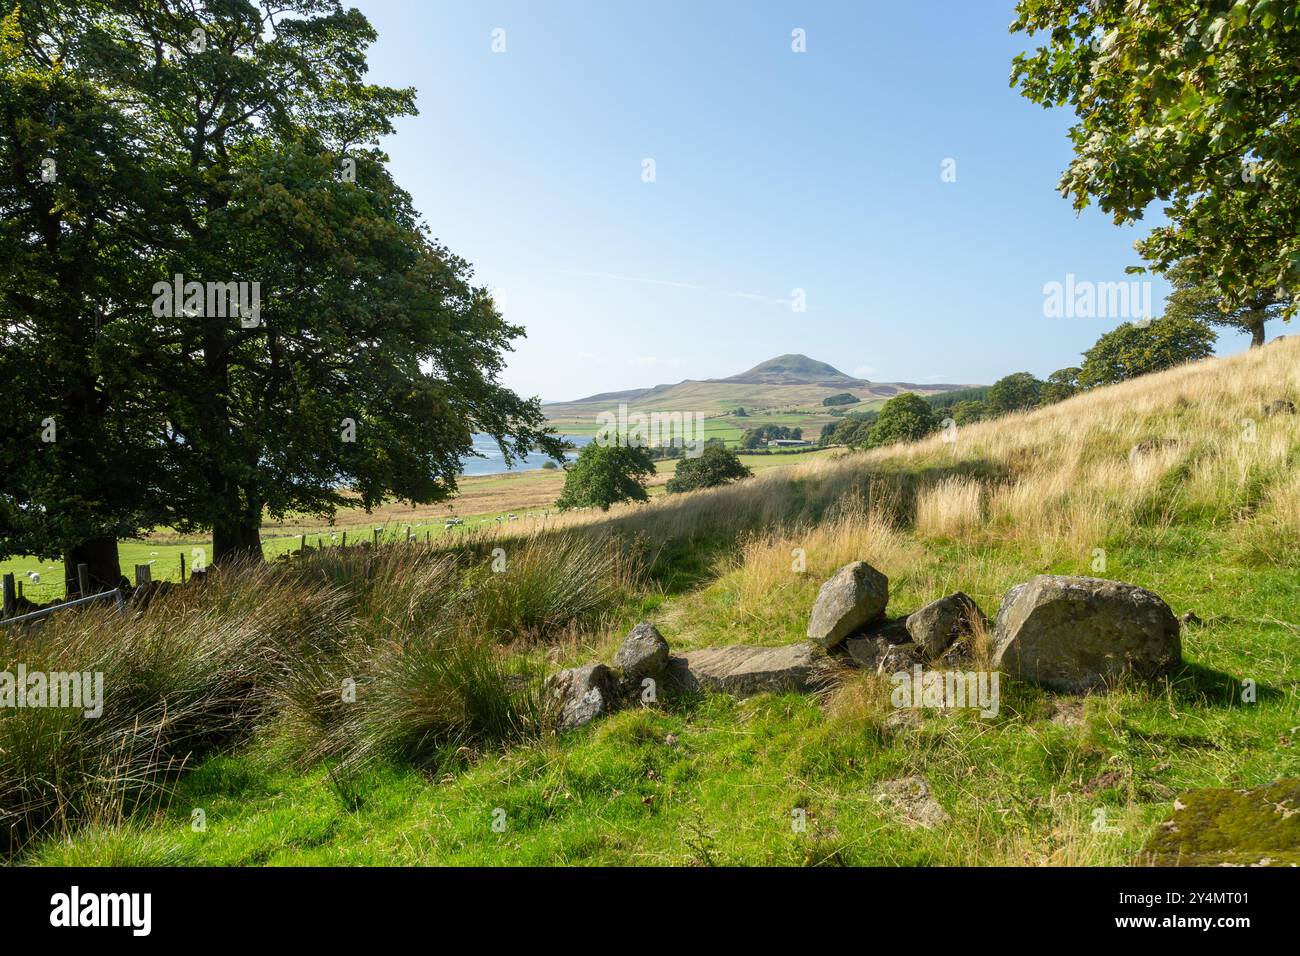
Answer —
854 597
1279 406
1079 634
939 623
643 653
1220 827
744 670
894 631
866 651
581 694
960 654
898 657
910 798
1149 446
877 654
1189 618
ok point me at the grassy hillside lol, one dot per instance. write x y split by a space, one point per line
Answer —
444 733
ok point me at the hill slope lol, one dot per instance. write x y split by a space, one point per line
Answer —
1209 520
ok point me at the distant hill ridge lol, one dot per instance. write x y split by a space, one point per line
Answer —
791 369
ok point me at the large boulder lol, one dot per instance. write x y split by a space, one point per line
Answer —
1079 634
854 597
939 623
643 653
1219 827
744 670
581 694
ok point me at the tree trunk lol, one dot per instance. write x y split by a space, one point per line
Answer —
100 557
239 539
1257 335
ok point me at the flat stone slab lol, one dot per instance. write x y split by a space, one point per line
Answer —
744 670
1221 827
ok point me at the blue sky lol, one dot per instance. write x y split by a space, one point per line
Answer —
774 171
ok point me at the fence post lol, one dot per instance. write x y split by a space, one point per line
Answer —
83 579
142 575
302 545
345 539
10 597
408 534
182 567
376 537
20 589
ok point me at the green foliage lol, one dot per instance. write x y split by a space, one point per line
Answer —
374 357
718 465
1133 350
756 437
1060 385
969 412
842 398
946 400
905 417
604 475
1015 392
1191 104
1199 300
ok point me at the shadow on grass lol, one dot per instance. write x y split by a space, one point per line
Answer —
1197 685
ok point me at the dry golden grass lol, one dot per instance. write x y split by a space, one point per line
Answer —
1058 479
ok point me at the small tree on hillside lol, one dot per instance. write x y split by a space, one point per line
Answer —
1060 385
905 417
1133 350
1199 300
969 412
718 465
604 475
1014 393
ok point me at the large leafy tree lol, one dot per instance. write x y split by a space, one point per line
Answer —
79 223
374 357
1191 103
1138 349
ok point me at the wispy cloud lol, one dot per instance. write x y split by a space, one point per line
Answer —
771 300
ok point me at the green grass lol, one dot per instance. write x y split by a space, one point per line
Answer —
452 735
1019 787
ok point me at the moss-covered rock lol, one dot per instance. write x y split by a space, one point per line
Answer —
1219 827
